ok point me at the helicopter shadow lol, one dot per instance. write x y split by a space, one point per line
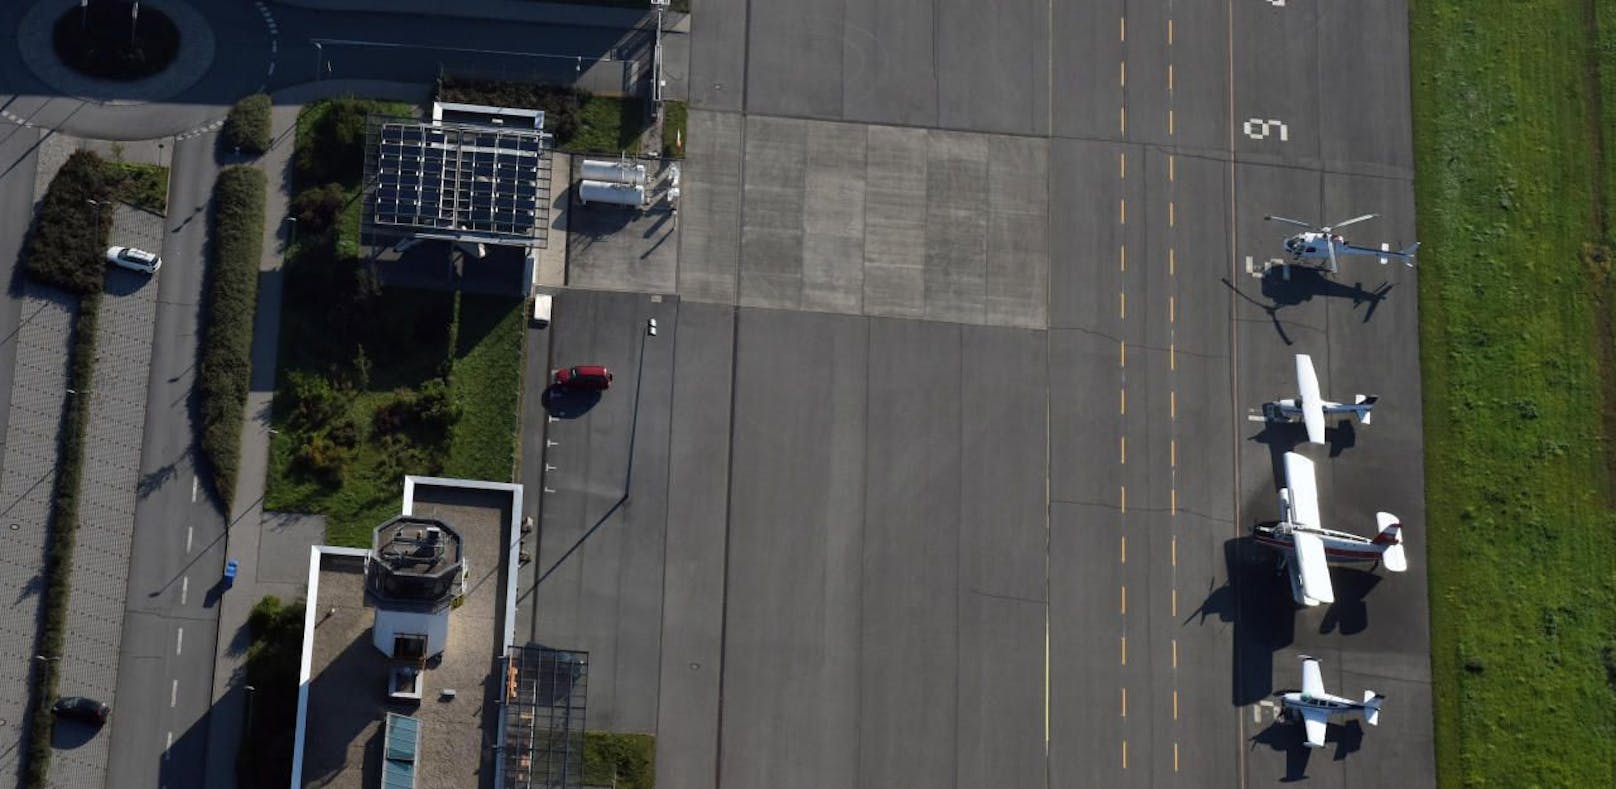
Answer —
1303 284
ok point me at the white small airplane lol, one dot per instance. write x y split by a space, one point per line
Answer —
1311 408
1315 707
1325 245
1309 548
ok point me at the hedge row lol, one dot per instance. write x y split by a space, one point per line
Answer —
64 520
232 295
66 247
247 127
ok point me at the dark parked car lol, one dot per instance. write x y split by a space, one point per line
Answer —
81 708
584 376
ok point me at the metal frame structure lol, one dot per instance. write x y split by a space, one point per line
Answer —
543 700
459 182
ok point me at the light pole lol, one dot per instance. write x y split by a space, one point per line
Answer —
292 236
250 690
634 421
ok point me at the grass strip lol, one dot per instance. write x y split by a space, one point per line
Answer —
64 522
232 295
1515 357
674 136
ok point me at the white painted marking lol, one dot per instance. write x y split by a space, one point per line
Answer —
1259 129
549 490
174 693
190 531
169 746
548 467
194 488
272 68
549 443
179 641
185 588
1384 247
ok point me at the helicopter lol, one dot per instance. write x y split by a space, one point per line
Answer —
1324 244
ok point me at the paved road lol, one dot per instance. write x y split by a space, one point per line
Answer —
178 552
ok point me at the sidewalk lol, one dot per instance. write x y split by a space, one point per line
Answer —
575 14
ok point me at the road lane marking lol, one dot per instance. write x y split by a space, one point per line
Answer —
1171 168
1172 309
1172 402
1172 214
1123 410
179 641
1124 361
1122 32
1124 450
174 693
1175 653
1175 550
1122 305
1122 165
194 488
1175 756
1124 549
1175 603
1122 211
1173 510
1172 356
1124 498
185 588
1169 78
1122 257
1124 599
1124 754
1122 76
169 747
1169 121
1124 650
190 531
1122 119
1169 31
1172 452
1124 702
1175 704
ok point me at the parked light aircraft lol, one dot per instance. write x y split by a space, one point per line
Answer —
1309 548
1311 408
1315 707
1325 245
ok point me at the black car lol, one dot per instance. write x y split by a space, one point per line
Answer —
81 708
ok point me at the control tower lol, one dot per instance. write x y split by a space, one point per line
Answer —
415 570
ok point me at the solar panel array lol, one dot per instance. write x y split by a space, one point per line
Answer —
468 179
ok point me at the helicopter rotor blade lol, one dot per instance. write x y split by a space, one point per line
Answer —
1329 243
1296 222
1352 221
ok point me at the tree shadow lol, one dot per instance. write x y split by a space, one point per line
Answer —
151 482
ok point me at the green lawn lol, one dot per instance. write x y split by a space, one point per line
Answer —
1516 356
607 124
487 380
140 185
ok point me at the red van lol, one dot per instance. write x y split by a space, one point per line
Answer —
585 376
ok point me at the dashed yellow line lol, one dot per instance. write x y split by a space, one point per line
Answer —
1124 702
1122 77
1172 356
1172 309
1124 357
1124 600
1172 403
1172 214
1175 602
1169 31
1125 651
1122 257
1169 78
1122 305
1124 549
1122 121
1169 121
1122 211
1175 756
1172 452
1122 33
1175 653
1175 550
1122 165
1174 509
1170 168
1172 262
1124 754
1122 409
1124 457
1124 498
1175 704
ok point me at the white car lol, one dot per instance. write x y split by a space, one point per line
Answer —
134 259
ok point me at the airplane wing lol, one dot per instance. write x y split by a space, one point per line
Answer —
1312 569
1304 496
1312 677
1312 402
1315 721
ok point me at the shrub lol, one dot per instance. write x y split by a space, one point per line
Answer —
317 208
247 127
232 297
272 667
64 517
313 401
429 411
324 459
562 104
67 245
336 148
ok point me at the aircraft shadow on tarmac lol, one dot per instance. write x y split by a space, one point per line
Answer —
1286 735
564 403
1282 437
1303 285
1257 600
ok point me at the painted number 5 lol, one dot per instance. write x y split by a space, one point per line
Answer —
1259 129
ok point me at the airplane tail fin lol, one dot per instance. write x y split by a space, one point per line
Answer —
1364 404
1371 701
1407 254
1391 536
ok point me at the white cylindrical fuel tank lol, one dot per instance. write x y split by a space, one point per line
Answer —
612 194
614 172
